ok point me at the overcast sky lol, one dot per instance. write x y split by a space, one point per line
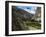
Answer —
30 9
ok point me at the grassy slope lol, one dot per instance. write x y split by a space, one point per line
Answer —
33 24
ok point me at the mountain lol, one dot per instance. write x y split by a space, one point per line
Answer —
18 16
22 13
37 15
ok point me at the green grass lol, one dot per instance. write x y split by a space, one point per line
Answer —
34 24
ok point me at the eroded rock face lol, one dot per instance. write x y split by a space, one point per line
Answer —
37 15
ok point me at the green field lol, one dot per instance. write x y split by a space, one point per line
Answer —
33 24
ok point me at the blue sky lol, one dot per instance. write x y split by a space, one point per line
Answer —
30 9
